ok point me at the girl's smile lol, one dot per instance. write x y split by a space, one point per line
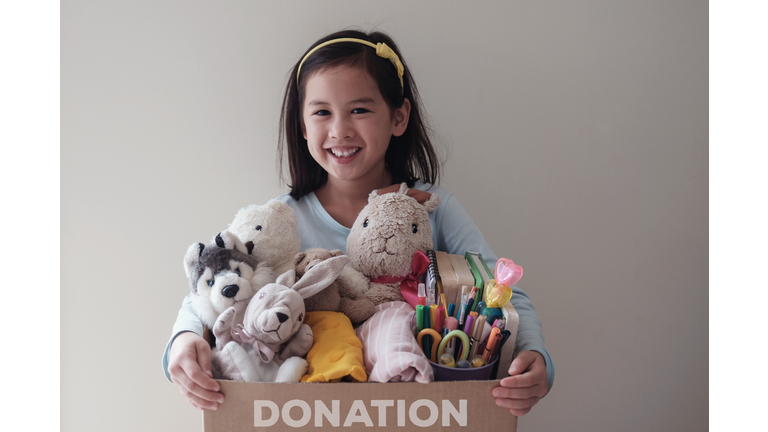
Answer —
348 125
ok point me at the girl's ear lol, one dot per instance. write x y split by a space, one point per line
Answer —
400 118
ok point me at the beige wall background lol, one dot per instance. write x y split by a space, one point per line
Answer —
575 133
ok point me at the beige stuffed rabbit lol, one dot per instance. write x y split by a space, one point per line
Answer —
270 344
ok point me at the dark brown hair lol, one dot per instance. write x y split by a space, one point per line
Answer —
409 157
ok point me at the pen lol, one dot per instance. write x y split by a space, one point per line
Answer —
440 319
462 308
484 337
477 332
493 342
451 309
460 299
504 336
468 309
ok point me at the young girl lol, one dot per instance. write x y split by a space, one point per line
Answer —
351 123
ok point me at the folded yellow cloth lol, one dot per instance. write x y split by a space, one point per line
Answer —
337 352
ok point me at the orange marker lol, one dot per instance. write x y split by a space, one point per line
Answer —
493 342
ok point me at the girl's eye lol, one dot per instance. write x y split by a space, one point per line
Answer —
359 111
365 223
210 282
322 113
237 271
415 228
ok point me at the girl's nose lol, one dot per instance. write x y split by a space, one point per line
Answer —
341 129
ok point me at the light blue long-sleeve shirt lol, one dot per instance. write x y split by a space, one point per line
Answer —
452 231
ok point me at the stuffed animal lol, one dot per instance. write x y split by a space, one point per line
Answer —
272 229
338 296
273 329
388 241
223 275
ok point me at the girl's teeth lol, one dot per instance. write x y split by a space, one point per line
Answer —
344 153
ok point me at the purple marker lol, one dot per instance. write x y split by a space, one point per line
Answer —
468 325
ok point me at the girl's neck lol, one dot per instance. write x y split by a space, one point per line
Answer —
344 200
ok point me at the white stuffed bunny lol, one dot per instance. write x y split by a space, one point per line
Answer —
270 344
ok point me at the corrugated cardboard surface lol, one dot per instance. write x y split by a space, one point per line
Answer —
443 406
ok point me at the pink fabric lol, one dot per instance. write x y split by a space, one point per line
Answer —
390 351
409 285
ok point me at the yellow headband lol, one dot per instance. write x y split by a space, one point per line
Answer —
382 50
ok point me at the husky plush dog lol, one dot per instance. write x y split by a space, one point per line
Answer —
223 274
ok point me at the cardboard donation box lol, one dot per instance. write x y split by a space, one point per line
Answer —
445 406
439 405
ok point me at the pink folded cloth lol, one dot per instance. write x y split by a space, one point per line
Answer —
390 351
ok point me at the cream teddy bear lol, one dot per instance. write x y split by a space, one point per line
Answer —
272 229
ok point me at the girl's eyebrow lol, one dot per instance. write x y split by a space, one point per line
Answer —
362 100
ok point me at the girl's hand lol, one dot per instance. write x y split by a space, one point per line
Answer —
416 194
525 386
189 364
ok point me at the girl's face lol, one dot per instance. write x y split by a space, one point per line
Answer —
347 124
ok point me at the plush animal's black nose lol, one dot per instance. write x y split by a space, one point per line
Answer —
282 317
230 291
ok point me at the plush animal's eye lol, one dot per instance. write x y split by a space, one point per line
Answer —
415 228
258 228
261 296
301 317
365 223
210 282
237 271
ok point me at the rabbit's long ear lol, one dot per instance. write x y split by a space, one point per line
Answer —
287 279
320 276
